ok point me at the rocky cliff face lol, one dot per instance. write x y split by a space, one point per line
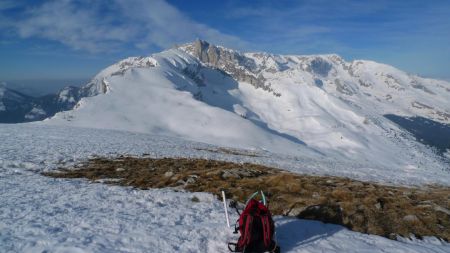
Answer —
240 67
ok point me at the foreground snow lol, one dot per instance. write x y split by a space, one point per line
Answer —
40 214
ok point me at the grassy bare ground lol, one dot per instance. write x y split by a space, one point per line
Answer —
230 151
361 206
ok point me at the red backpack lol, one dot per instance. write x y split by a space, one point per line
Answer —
256 229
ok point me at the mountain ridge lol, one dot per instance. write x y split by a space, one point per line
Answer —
17 107
318 106
321 65
271 63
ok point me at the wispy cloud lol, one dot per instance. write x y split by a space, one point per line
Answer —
8 4
413 35
101 26
164 24
342 23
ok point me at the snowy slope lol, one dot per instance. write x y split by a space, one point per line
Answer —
40 214
314 106
150 100
331 105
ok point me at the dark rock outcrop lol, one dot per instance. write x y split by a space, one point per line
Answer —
320 66
240 67
325 213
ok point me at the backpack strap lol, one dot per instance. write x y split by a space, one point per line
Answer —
245 239
266 230
236 227
267 233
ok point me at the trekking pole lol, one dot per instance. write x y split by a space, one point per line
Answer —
225 207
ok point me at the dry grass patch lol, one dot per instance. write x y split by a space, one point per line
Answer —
230 151
361 206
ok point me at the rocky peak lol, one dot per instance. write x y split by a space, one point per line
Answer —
234 63
206 52
218 56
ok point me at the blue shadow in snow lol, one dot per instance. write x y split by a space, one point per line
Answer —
426 131
214 87
293 232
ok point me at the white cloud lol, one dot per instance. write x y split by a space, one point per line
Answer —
165 25
114 25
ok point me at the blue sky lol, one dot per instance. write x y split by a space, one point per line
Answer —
75 39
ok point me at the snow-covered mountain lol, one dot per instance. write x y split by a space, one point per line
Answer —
306 114
13 105
16 107
316 106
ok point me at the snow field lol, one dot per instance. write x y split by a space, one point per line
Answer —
40 214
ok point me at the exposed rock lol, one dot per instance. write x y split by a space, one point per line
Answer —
318 83
295 211
191 179
415 84
445 116
240 173
342 88
363 83
240 67
324 213
421 105
320 66
180 182
356 184
378 205
168 174
230 174
392 82
410 218
441 209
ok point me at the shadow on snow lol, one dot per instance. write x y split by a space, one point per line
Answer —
293 233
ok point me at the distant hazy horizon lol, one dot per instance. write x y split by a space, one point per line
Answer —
40 86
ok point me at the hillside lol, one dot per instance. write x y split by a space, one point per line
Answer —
317 106
73 215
